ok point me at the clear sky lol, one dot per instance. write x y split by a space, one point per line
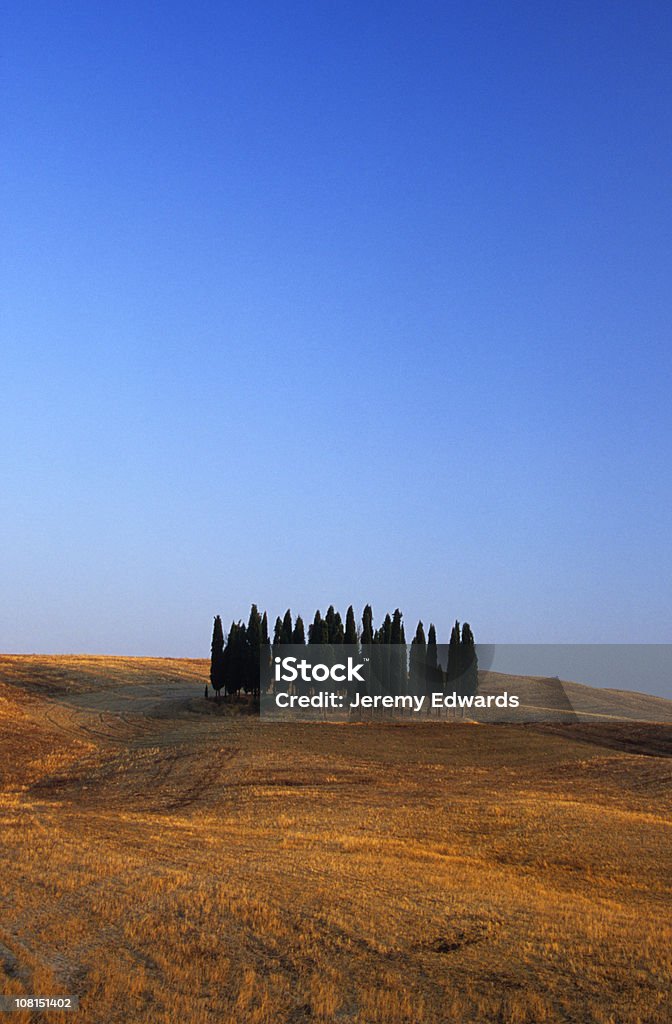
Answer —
315 302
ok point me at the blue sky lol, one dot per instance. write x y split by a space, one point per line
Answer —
316 302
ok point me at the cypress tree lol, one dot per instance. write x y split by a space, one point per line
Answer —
370 648
243 659
328 653
336 632
454 670
376 658
277 632
286 634
403 661
253 652
236 659
398 668
299 634
385 662
330 619
217 656
367 626
315 630
433 674
418 662
469 660
265 678
350 636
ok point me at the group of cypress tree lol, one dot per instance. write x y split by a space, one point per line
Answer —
244 662
236 666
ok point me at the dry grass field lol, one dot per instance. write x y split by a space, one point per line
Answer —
170 860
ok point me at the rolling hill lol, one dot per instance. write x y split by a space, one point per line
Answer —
167 858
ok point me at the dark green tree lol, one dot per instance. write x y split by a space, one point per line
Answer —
403 660
384 661
251 679
454 669
337 632
398 659
299 634
330 619
277 632
236 659
315 632
265 677
418 662
369 650
469 661
433 673
350 635
217 656
286 635
367 626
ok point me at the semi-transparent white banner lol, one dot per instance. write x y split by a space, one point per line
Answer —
484 683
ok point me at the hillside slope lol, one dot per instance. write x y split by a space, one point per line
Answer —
165 858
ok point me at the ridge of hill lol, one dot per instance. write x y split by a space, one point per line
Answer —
549 699
111 679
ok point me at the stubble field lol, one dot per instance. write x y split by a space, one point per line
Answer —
169 860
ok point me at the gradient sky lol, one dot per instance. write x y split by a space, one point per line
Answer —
317 302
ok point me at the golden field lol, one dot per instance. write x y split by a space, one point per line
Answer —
171 860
